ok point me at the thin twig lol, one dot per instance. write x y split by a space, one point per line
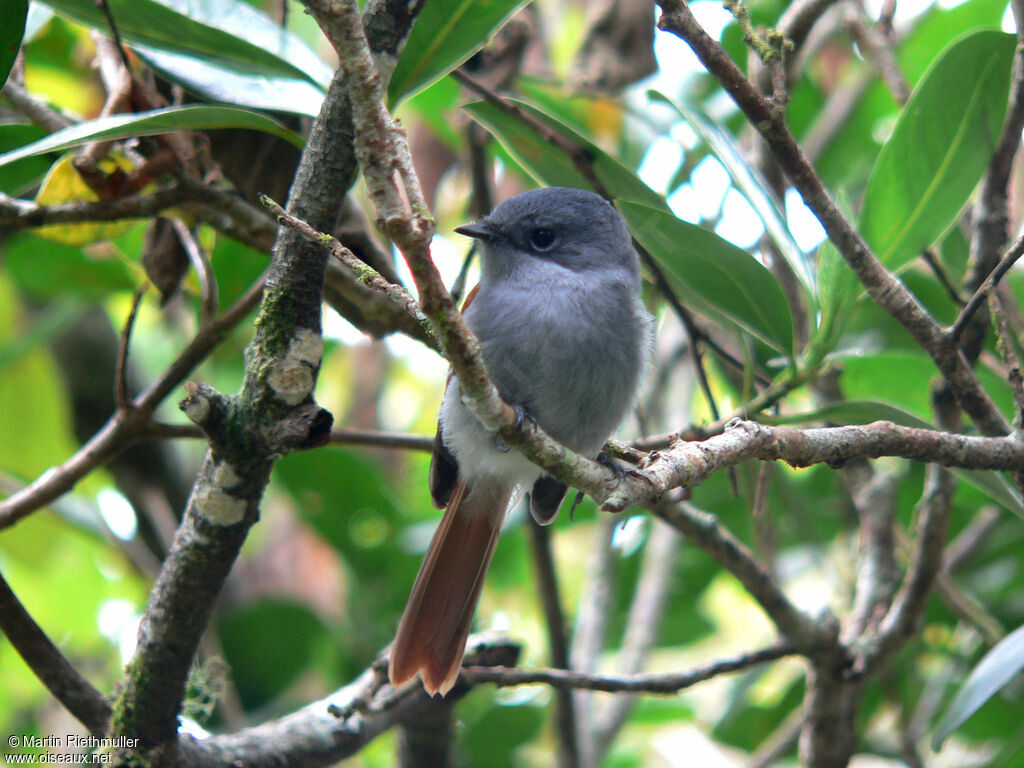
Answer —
902 619
1010 258
362 271
349 436
907 608
779 743
24 214
1006 344
327 731
934 262
764 532
969 609
579 155
991 219
798 20
972 538
238 218
339 436
121 369
39 112
204 270
691 463
114 32
877 49
658 684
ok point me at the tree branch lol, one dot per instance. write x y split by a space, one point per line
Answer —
359 269
690 463
981 294
402 214
52 668
337 727
23 214
903 617
874 498
40 113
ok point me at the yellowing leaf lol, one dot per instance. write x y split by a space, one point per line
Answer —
63 184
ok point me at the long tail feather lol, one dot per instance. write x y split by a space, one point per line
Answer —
432 634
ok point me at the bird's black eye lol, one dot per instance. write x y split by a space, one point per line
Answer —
542 239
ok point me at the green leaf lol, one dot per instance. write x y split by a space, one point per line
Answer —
240 80
714 274
871 376
995 485
749 182
17 177
11 31
549 164
541 159
219 83
346 499
995 670
434 105
195 118
940 147
208 31
446 33
197 46
940 26
862 411
847 159
283 632
837 291
52 270
493 737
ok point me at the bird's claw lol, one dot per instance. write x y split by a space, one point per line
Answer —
523 417
617 469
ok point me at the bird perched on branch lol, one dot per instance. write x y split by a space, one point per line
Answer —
565 337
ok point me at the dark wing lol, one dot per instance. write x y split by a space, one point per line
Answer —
444 472
444 467
545 498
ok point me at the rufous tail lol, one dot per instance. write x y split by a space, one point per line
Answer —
432 634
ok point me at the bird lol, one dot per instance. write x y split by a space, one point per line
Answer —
565 337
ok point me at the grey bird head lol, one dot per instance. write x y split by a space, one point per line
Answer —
573 228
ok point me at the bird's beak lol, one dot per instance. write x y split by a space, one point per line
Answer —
478 229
